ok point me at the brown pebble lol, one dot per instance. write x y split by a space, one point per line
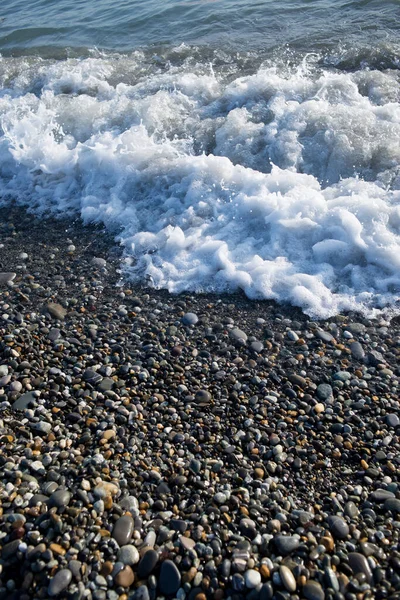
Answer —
125 577
265 572
57 549
106 568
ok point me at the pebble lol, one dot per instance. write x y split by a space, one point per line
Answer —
60 499
170 578
359 564
56 310
147 563
6 278
286 544
59 582
357 351
338 527
312 590
287 578
128 555
123 530
125 577
190 319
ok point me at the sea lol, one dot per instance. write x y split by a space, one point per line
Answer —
228 144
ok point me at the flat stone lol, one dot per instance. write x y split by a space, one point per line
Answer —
324 391
381 495
190 319
312 590
287 578
105 384
3 370
60 498
324 336
54 334
129 555
187 543
257 346
25 401
238 335
98 262
170 578
41 427
123 530
297 380
285 544
392 420
359 564
351 510
60 582
6 278
147 563
338 527
56 310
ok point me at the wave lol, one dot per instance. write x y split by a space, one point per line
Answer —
275 177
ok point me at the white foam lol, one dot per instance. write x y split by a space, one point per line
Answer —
180 161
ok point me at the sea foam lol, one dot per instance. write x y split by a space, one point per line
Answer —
284 183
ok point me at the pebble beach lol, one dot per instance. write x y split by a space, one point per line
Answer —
189 446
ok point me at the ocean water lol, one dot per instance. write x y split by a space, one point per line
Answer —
229 144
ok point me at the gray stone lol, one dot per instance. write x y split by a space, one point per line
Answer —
257 346
170 578
252 578
351 510
99 262
129 555
10 549
56 310
338 527
202 397
24 401
142 593
60 498
6 278
3 370
392 420
324 391
238 335
54 334
357 351
123 530
312 590
106 384
392 504
60 582
42 427
381 495
190 319
359 564
324 336
285 544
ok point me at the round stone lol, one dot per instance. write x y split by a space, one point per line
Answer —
392 420
170 578
60 582
60 498
324 391
190 319
252 578
123 530
129 555
202 397
285 544
312 590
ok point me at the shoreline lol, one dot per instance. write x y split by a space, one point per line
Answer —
187 446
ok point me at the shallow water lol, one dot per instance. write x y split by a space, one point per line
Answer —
230 145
